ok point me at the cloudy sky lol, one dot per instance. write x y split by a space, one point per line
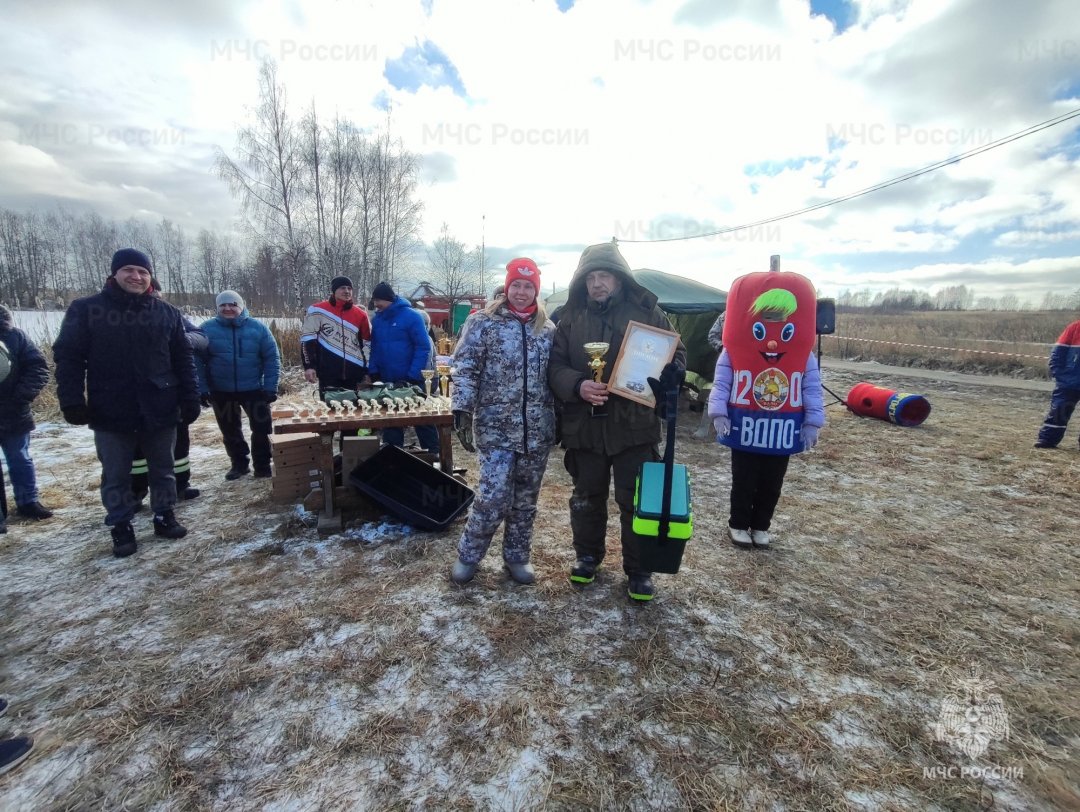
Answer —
547 125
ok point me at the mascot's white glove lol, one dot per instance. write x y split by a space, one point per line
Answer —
722 425
809 436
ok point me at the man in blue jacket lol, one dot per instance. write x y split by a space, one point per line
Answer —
124 367
400 349
1065 370
240 374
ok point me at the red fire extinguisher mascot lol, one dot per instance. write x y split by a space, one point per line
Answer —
767 401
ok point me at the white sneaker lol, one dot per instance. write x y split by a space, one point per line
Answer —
760 538
740 538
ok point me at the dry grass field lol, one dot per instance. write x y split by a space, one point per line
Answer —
257 666
988 342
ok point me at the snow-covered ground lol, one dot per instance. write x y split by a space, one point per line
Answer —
257 665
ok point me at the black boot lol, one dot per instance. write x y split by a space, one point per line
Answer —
584 570
238 470
640 586
187 493
123 540
263 471
165 524
34 510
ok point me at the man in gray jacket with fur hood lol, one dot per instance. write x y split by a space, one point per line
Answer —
617 438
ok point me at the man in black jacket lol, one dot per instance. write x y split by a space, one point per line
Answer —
26 375
606 437
124 367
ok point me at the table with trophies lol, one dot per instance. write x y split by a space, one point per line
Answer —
348 416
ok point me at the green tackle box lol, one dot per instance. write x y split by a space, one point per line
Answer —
662 555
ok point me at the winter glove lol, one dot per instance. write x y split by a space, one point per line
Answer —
722 425
809 436
189 412
671 377
204 399
270 396
77 415
463 429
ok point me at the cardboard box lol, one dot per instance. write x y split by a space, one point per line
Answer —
297 460
295 449
285 491
289 440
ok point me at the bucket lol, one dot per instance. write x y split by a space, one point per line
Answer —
900 408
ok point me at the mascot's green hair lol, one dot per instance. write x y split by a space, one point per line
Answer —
777 300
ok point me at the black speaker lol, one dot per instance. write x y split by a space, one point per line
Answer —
826 317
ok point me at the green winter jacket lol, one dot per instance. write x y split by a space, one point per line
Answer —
627 423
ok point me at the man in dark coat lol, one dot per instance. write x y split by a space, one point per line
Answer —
27 373
614 438
124 367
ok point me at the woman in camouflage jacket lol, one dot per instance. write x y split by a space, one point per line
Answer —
500 387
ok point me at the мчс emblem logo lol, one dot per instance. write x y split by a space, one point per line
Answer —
972 717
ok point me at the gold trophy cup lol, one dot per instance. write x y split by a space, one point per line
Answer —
596 350
444 378
428 375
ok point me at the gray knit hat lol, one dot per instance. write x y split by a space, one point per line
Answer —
229 296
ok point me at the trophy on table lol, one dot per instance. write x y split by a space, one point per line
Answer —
428 375
596 350
444 378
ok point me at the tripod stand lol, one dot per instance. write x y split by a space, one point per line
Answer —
836 398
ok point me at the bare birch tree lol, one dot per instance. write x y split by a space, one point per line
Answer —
267 175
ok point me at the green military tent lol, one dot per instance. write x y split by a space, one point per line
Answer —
690 306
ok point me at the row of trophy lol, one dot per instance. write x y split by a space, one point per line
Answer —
444 379
319 412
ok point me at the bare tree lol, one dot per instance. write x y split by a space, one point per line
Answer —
173 261
268 175
453 268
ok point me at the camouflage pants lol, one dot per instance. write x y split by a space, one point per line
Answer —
507 491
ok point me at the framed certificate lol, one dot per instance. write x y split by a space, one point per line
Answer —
645 351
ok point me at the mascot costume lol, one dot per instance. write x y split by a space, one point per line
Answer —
769 334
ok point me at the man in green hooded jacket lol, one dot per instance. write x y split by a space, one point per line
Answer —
604 435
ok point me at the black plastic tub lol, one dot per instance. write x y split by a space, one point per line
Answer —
412 490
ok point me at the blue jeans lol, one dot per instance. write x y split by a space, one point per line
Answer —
20 467
428 437
116 451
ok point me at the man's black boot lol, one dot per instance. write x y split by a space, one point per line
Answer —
34 510
584 570
238 470
641 587
123 540
165 524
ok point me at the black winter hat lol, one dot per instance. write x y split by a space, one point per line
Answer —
383 291
129 256
340 282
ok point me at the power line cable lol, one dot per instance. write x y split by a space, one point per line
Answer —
1034 128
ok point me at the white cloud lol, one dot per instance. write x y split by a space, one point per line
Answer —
612 119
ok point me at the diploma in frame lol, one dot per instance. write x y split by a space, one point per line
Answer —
644 353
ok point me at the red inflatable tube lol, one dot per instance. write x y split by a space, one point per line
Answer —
903 409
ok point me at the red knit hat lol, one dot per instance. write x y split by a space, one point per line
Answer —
522 268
